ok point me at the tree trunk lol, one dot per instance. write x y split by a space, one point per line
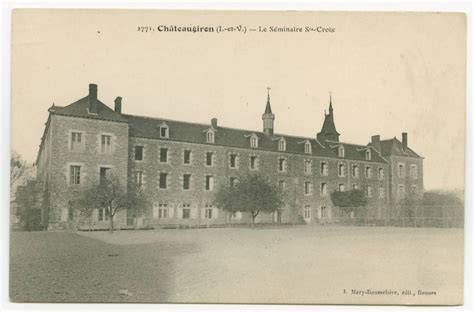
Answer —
111 224
253 221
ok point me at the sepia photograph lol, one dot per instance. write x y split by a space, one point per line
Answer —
237 157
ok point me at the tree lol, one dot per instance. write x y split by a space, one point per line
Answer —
29 209
109 194
136 201
253 194
18 168
349 201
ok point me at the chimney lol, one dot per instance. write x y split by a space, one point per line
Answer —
404 140
214 123
376 142
93 107
118 104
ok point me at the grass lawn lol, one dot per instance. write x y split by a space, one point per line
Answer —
303 264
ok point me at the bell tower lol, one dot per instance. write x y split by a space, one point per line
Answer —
268 117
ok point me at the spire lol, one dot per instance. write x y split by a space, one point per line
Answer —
268 108
330 103
268 117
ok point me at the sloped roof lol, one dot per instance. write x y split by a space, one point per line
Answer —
80 109
395 147
355 151
147 127
328 125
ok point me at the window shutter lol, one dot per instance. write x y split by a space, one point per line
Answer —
203 213
215 213
171 211
194 210
155 211
311 188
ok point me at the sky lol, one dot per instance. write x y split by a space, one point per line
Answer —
388 73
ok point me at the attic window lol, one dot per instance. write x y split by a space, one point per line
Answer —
164 131
282 145
210 136
254 141
368 155
340 151
307 148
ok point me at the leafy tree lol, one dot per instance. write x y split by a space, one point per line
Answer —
137 202
348 201
28 206
18 168
253 194
109 194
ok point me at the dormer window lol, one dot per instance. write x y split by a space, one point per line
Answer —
368 155
282 145
340 151
254 141
164 131
307 148
210 136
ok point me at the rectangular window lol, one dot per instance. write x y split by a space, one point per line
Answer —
138 153
369 191
164 132
139 178
104 174
208 212
324 212
401 191
75 175
103 215
401 170
307 188
233 160
186 157
281 185
186 211
324 189
341 170
307 167
233 180
368 172
70 213
163 180
355 171
282 165
163 155
341 187
253 162
209 156
307 212
210 137
355 186
381 192
106 144
163 211
76 141
414 189
413 172
209 183
381 173
324 168
186 181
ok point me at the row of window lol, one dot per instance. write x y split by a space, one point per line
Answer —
254 163
402 171
77 142
187 211
322 212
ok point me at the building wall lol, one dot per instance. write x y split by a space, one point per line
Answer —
90 159
197 196
407 180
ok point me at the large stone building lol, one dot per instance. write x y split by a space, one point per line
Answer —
180 165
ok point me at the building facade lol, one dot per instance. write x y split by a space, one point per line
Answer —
180 166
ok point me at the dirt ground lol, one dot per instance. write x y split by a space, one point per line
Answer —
303 264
